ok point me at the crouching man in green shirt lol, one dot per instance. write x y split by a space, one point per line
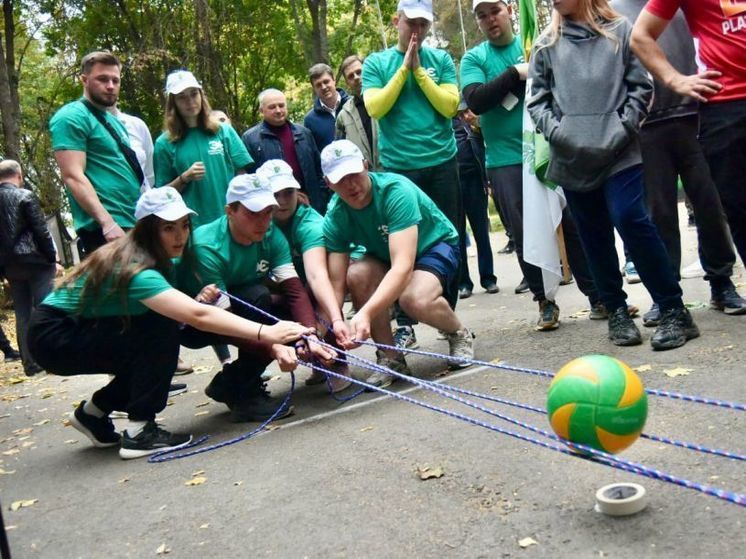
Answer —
412 256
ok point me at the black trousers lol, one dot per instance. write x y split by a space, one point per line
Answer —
723 137
141 355
670 149
241 376
508 182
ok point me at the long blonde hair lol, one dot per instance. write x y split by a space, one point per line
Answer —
597 14
176 127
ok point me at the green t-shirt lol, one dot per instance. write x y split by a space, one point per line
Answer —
502 129
397 205
303 232
222 154
75 128
224 262
412 135
143 285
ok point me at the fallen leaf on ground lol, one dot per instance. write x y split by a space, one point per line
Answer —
15 505
6 472
429 473
16 380
366 429
66 422
643 368
124 480
198 473
162 549
8 528
11 452
25 431
199 480
206 412
526 542
42 422
202 404
677 372
204 526
71 441
201 370
238 483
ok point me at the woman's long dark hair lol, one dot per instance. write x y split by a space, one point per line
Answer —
122 259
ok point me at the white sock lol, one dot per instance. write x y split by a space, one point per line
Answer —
92 409
134 428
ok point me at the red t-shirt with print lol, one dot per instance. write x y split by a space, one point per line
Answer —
720 29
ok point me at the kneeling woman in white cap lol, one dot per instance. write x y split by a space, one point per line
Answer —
118 313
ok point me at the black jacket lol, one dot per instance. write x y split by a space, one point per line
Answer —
24 235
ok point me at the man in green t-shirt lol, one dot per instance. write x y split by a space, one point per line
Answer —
102 186
412 256
493 81
411 90
242 253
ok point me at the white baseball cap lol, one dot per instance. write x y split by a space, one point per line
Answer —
279 175
477 2
165 202
253 191
341 158
416 8
178 81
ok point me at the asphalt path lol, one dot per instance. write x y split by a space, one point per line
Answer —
345 479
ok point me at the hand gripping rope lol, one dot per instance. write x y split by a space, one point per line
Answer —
452 393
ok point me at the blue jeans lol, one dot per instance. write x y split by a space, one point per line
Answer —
620 203
474 199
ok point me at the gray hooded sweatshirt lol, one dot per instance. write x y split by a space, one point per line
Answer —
589 96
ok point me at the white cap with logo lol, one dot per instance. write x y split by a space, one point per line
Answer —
165 202
341 158
476 3
416 8
178 81
279 175
253 191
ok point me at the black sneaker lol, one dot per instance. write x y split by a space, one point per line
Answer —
176 388
548 316
675 329
509 248
728 301
652 317
100 430
492 288
32 369
622 329
464 293
522 287
599 312
259 406
150 440
11 355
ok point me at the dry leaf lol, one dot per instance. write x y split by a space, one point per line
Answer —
162 549
206 412
201 370
6 472
17 380
204 526
366 429
9 528
237 483
124 480
526 542
11 452
429 473
25 431
66 422
71 441
198 473
23 504
199 480
677 372
202 404
643 368
42 422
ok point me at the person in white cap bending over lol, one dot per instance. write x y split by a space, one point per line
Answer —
303 229
120 312
197 154
243 254
412 256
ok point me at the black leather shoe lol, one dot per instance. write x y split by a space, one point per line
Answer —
522 287
464 293
492 288
622 329
675 329
508 248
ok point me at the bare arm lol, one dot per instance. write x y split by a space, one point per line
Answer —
177 306
72 166
317 274
645 33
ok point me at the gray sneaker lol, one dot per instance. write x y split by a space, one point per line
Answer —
383 379
461 348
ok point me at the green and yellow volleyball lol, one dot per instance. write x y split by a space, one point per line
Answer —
598 401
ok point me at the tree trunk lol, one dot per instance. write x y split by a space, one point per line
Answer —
9 105
319 39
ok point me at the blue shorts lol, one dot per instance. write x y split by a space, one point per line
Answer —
443 261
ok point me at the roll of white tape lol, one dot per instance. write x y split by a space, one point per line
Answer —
621 499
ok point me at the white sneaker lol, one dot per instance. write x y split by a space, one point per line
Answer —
693 270
461 347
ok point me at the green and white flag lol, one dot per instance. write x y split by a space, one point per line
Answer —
542 203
